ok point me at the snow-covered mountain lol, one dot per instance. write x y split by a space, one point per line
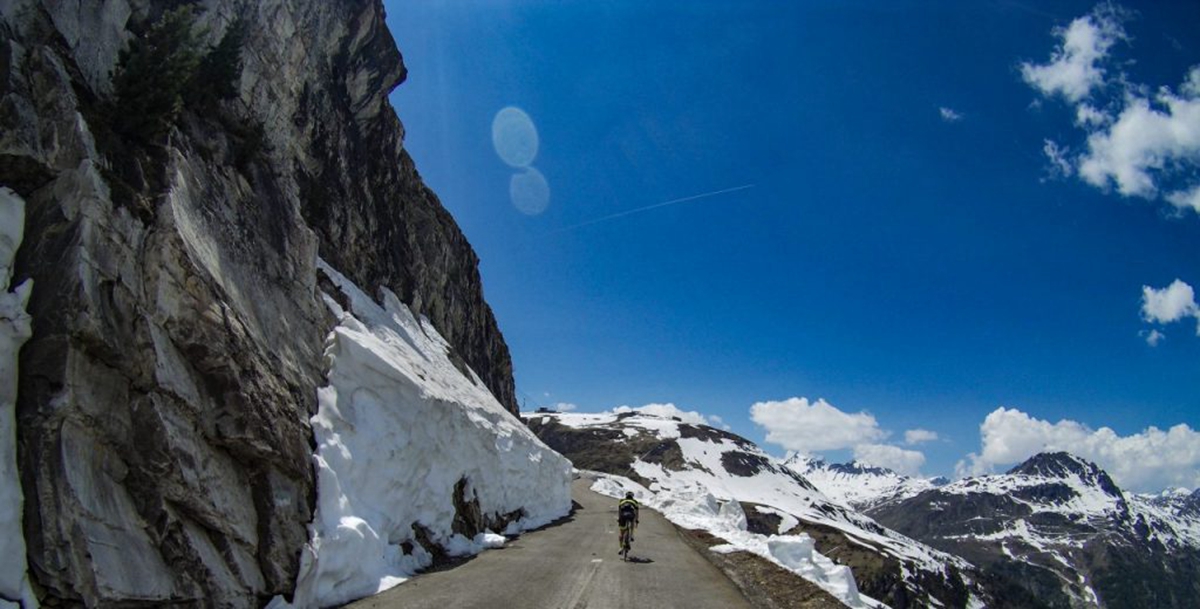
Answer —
859 485
1059 527
698 476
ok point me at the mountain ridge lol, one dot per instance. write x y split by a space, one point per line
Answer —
1058 526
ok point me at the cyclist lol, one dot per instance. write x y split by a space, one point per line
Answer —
627 519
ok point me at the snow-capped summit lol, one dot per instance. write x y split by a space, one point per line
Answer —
1058 527
859 485
1062 465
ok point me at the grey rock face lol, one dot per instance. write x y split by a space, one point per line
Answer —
165 394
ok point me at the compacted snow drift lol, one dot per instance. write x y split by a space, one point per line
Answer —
415 457
14 330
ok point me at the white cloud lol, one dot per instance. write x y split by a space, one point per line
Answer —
1059 164
907 462
1144 145
1169 304
807 427
919 436
1074 68
1148 461
716 421
1153 337
564 407
1088 116
671 410
1186 199
950 115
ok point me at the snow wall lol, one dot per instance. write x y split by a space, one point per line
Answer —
14 331
400 429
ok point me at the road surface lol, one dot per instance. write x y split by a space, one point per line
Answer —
575 565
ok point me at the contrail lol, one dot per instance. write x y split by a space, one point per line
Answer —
650 207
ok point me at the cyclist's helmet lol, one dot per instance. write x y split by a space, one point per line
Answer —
629 494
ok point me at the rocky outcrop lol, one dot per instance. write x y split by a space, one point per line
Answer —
165 396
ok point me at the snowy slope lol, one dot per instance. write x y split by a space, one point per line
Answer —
14 331
1058 526
1174 514
857 485
411 450
700 477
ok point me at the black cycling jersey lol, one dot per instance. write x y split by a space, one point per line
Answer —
627 511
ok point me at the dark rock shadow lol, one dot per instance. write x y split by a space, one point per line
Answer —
570 517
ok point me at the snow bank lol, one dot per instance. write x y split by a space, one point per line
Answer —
14 331
693 506
398 428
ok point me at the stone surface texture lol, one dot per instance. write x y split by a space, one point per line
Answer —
165 395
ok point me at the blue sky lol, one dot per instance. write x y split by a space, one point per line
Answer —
950 217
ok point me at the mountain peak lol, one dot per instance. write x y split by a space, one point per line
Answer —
1064 465
858 467
1054 465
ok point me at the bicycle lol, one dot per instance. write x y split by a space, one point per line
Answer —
626 539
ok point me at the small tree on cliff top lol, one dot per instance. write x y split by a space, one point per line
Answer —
217 76
153 72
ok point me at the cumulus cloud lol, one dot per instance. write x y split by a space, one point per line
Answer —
1169 304
919 436
670 410
807 427
1145 144
907 462
1173 303
564 407
950 115
1143 462
1075 67
1140 144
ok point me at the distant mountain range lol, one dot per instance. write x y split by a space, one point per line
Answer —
1060 527
859 485
1054 532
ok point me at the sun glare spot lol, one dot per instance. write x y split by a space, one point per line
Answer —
529 191
515 137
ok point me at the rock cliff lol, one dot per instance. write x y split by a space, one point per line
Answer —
165 395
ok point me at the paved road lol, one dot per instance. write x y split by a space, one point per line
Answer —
575 565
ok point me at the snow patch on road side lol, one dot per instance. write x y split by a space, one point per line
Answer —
14 331
398 428
692 506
